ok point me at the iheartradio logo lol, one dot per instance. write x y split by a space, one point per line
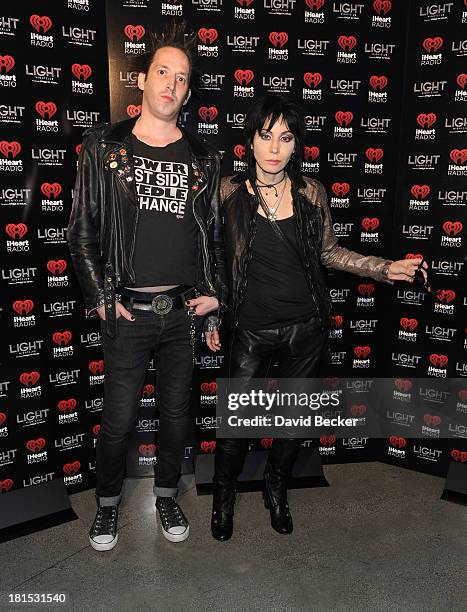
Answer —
374 155
72 468
461 78
266 442
209 388
431 420
239 151
337 320
432 45
23 307
133 110
378 83
397 441
327 440
68 405
462 395
420 192
403 384
344 117
361 352
457 455
408 324
382 7
278 39
12 148
439 361
312 79
56 266
96 367
452 228
148 390
310 152
46 109
81 71
244 77
208 35
95 430
29 379
358 410
425 120
6 485
147 450
40 23
35 446
370 224
51 190
347 43
446 296
314 5
16 230
2 418
208 446
366 289
7 63
62 338
134 32
208 113
78 148
458 156
245 3
340 189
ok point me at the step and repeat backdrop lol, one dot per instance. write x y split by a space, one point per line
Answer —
383 88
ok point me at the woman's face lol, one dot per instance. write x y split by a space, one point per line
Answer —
273 147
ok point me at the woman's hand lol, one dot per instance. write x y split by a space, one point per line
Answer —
212 340
203 304
119 309
405 269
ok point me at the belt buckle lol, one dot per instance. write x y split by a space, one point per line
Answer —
161 304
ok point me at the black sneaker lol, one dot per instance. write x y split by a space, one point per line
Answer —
103 534
175 527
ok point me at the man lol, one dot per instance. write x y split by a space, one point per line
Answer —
145 239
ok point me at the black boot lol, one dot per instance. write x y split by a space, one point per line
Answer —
223 501
275 500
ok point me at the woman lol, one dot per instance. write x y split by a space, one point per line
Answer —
278 230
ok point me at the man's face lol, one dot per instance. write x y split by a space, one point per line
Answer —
166 85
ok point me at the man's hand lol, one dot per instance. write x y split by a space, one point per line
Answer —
212 340
404 269
203 304
120 310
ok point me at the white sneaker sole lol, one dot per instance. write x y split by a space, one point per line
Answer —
172 537
103 547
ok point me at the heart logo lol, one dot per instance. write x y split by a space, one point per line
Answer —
244 77
147 450
56 266
458 156
431 45
397 441
239 151
51 190
408 324
208 113
432 420
337 320
426 120
374 155
378 82
370 223
403 384
312 79
62 338
133 110
95 430
445 296
208 36
327 440
5 485
347 43
29 379
68 405
382 7
148 390
420 191
366 289
16 230
208 447
133 32
12 148
462 395
266 442
245 3
458 455
35 446
340 189
40 23
209 388
439 361
344 117
2 418
81 71
357 409
452 228
72 468
314 5
362 351
278 39
46 109
312 152
461 78
414 256
97 367
78 148
7 63
23 307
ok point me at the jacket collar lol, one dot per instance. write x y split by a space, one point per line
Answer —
118 132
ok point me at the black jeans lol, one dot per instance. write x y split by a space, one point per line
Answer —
126 359
298 349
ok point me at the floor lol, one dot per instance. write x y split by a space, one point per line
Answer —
379 538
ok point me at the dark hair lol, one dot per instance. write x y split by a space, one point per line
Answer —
175 34
272 108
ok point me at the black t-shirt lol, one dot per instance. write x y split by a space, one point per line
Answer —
277 292
166 238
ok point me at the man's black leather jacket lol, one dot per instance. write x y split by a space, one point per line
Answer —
315 234
102 228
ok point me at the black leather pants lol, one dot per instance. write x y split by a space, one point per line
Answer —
298 349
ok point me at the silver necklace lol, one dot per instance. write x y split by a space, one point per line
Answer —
272 210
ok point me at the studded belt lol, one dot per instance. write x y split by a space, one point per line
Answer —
159 303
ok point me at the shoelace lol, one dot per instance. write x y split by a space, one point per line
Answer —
171 513
105 520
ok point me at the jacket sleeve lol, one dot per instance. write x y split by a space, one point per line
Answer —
83 227
341 258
